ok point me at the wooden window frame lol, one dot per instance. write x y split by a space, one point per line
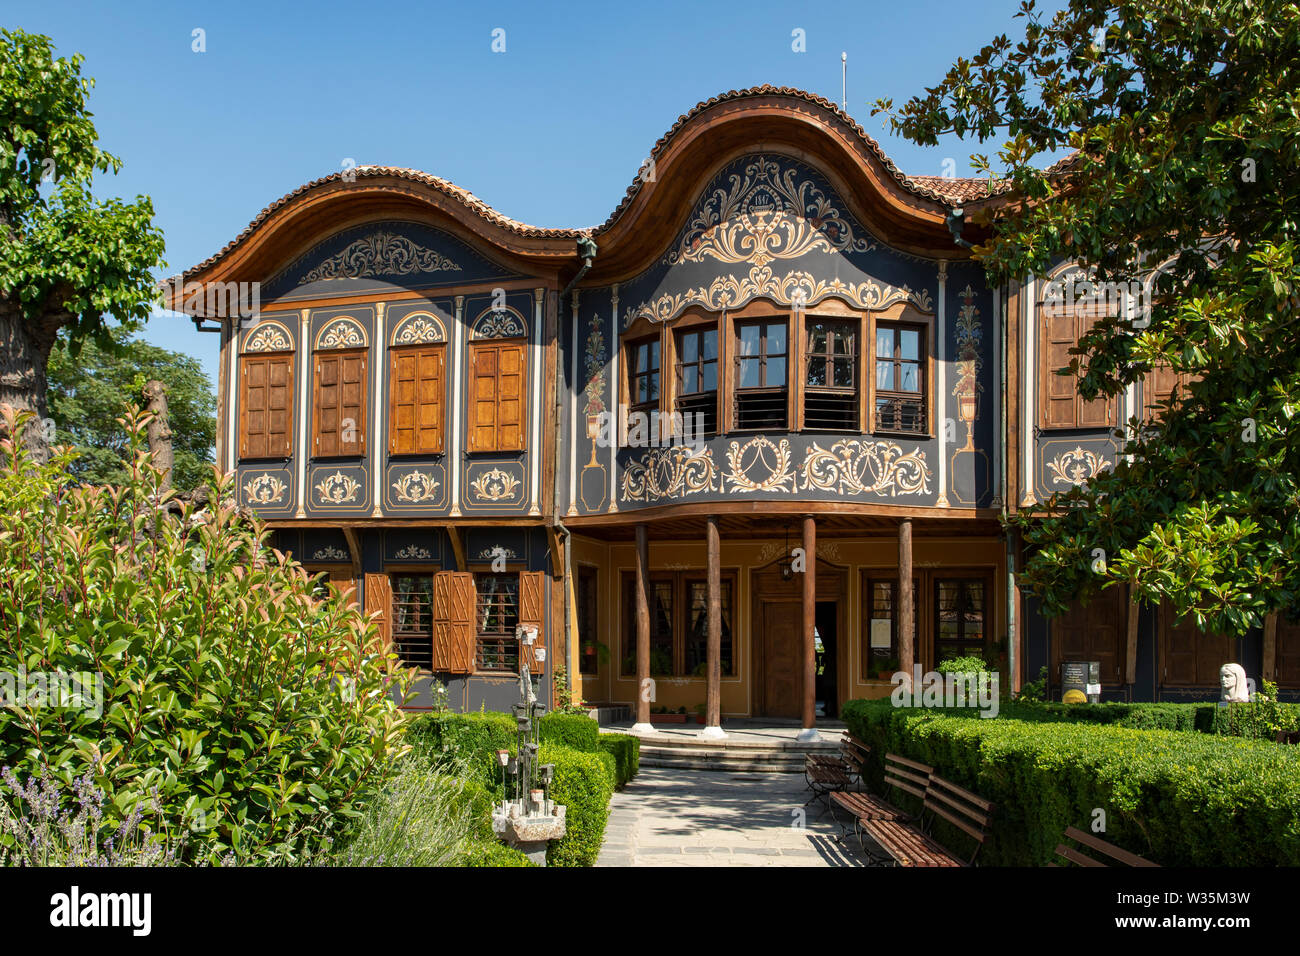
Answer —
395 355
1083 319
924 372
870 578
246 361
943 576
357 449
631 348
476 349
511 571
829 358
588 573
789 356
679 590
678 393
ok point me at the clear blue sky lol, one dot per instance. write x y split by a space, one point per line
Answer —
551 132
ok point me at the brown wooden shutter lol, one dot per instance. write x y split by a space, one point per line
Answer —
453 622
1287 654
1058 390
416 405
1093 632
511 408
1190 656
483 397
340 400
379 600
498 397
531 605
1097 413
266 406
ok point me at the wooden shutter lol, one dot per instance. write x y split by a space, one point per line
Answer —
340 402
531 602
498 409
453 622
1093 632
416 402
266 406
1287 654
1189 656
379 600
1058 390
1097 413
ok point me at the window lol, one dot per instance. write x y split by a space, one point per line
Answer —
266 406
900 380
1063 406
880 647
831 384
697 379
340 414
588 637
679 632
496 616
959 618
415 417
659 598
1095 631
761 388
413 619
697 633
496 394
643 377
1162 386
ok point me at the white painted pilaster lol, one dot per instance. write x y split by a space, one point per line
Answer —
535 449
378 442
456 347
616 430
302 395
574 393
1028 375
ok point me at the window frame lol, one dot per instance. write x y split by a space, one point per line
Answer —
986 625
267 359
855 327
785 390
679 395
1083 318
924 373
632 349
870 578
355 449
504 638
478 347
396 353
679 590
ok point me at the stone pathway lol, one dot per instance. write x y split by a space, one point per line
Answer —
672 817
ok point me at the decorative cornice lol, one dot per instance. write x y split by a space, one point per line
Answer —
381 253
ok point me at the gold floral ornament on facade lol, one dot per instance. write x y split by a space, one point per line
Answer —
338 489
344 332
418 328
264 490
380 254
731 292
413 553
269 337
499 324
672 472
416 486
1076 467
852 466
495 485
329 553
970 361
763 214
760 452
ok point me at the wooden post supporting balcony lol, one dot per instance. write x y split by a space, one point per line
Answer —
642 724
713 696
809 731
906 608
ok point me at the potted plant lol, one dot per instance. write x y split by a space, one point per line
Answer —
888 667
701 714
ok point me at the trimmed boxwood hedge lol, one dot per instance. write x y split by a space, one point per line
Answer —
1260 720
1180 799
572 730
626 750
583 783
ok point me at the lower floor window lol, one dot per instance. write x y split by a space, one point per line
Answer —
496 616
678 604
413 619
959 618
588 642
881 653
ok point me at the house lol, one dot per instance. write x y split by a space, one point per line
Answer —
742 448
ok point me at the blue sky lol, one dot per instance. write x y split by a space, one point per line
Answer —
550 132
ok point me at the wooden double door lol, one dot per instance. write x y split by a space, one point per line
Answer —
777 636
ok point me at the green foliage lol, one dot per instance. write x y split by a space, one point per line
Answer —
1179 799
962 665
87 395
467 741
572 730
1144 716
626 750
583 783
1182 121
65 257
235 699
1035 689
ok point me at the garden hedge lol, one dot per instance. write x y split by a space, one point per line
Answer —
1180 799
1260 720
626 750
583 783
572 730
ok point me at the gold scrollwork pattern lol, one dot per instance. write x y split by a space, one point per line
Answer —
344 332
760 451
730 292
670 472
1076 467
418 328
413 553
852 466
269 337
380 254
329 553
264 489
768 212
338 489
499 324
415 487
495 485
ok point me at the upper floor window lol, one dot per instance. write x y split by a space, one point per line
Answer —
643 377
340 403
697 377
762 350
1162 388
497 410
415 417
900 379
266 405
1063 406
831 384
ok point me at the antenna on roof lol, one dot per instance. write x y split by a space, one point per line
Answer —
844 77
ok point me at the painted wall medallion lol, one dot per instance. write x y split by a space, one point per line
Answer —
1076 467
413 553
760 465
970 361
338 489
500 324
852 466
344 332
268 336
415 487
418 328
329 553
672 472
265 489
495 485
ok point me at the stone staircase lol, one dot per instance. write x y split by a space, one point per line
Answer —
745 750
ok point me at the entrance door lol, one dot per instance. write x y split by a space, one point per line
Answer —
827 700
782 673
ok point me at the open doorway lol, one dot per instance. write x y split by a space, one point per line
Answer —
827 697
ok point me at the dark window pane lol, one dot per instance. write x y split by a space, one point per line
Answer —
690 347
710 378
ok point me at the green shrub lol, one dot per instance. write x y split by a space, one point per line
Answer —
962 665
1142 716
583 783
1180 799
570 730
626 750
468 741
228 693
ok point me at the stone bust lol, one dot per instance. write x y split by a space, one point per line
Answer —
1232 684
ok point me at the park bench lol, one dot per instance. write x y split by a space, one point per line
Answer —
829 773
908 844
1099 846
901 774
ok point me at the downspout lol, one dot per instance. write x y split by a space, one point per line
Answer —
587 250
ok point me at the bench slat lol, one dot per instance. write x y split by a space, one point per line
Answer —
1110 849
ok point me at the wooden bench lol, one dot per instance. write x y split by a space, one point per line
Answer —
900 774
906 844
1099 846
830 773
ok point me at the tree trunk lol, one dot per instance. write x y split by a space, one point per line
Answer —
159 433
24 351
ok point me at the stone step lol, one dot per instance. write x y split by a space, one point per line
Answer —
728 760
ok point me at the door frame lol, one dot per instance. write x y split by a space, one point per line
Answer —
832 587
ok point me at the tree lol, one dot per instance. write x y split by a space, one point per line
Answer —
88 394
1182 118
67 260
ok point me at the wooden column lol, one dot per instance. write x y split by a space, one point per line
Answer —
713 698
642 626
809 626
906 615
